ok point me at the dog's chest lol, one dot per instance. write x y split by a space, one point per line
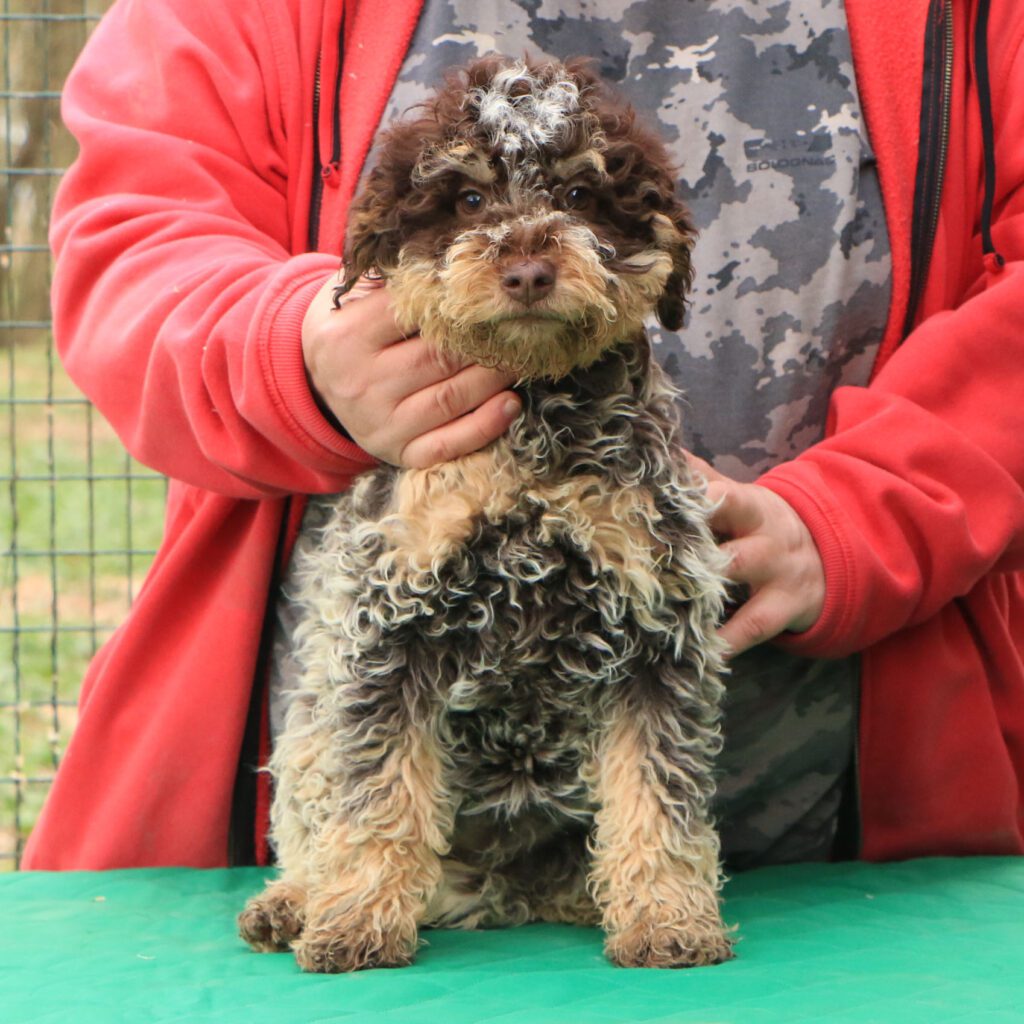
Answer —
519 604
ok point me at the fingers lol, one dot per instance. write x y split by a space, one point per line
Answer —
407 367
439 401
762 618
461 436
771 554
734 513
421 390
750 560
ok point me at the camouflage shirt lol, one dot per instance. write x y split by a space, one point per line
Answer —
758 103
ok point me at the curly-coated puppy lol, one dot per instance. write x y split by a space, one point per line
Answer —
509 702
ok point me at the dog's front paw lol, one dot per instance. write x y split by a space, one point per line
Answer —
356 946
649 944
274 919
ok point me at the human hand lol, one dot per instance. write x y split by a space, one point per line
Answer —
396 396
772 552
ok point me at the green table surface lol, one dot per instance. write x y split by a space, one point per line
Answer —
935 941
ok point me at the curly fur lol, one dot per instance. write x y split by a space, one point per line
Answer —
509 705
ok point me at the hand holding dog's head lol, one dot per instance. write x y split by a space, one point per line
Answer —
525 220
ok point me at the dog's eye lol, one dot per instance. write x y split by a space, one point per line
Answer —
652 199
578 197
470 201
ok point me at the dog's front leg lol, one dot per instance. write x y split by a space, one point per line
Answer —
378 862
655 874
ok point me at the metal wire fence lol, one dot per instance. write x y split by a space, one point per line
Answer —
79 520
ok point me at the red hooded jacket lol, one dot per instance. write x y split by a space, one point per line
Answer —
182 279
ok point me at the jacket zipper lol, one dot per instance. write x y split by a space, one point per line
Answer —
317 197
933 148
320 172
947 100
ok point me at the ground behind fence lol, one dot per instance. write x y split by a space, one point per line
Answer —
79 520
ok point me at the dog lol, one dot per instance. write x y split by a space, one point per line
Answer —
509 702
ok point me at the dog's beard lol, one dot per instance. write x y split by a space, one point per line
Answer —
458 303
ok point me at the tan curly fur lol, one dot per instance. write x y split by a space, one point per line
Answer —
508 708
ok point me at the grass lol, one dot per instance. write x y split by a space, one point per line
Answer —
78 523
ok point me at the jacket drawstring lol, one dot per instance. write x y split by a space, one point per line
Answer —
993 260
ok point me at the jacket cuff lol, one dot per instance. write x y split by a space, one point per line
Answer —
829 637
286 369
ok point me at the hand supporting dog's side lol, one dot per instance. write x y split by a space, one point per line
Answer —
772 553
398 398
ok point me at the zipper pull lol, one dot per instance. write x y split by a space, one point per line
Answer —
331 174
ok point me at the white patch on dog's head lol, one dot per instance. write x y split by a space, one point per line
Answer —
528 121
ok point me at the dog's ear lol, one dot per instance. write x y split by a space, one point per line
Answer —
644 181
373 239
671 307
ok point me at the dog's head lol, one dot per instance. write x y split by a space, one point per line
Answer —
525 220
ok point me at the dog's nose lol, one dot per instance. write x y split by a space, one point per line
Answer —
529 280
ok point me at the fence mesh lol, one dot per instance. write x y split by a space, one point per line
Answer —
79 520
